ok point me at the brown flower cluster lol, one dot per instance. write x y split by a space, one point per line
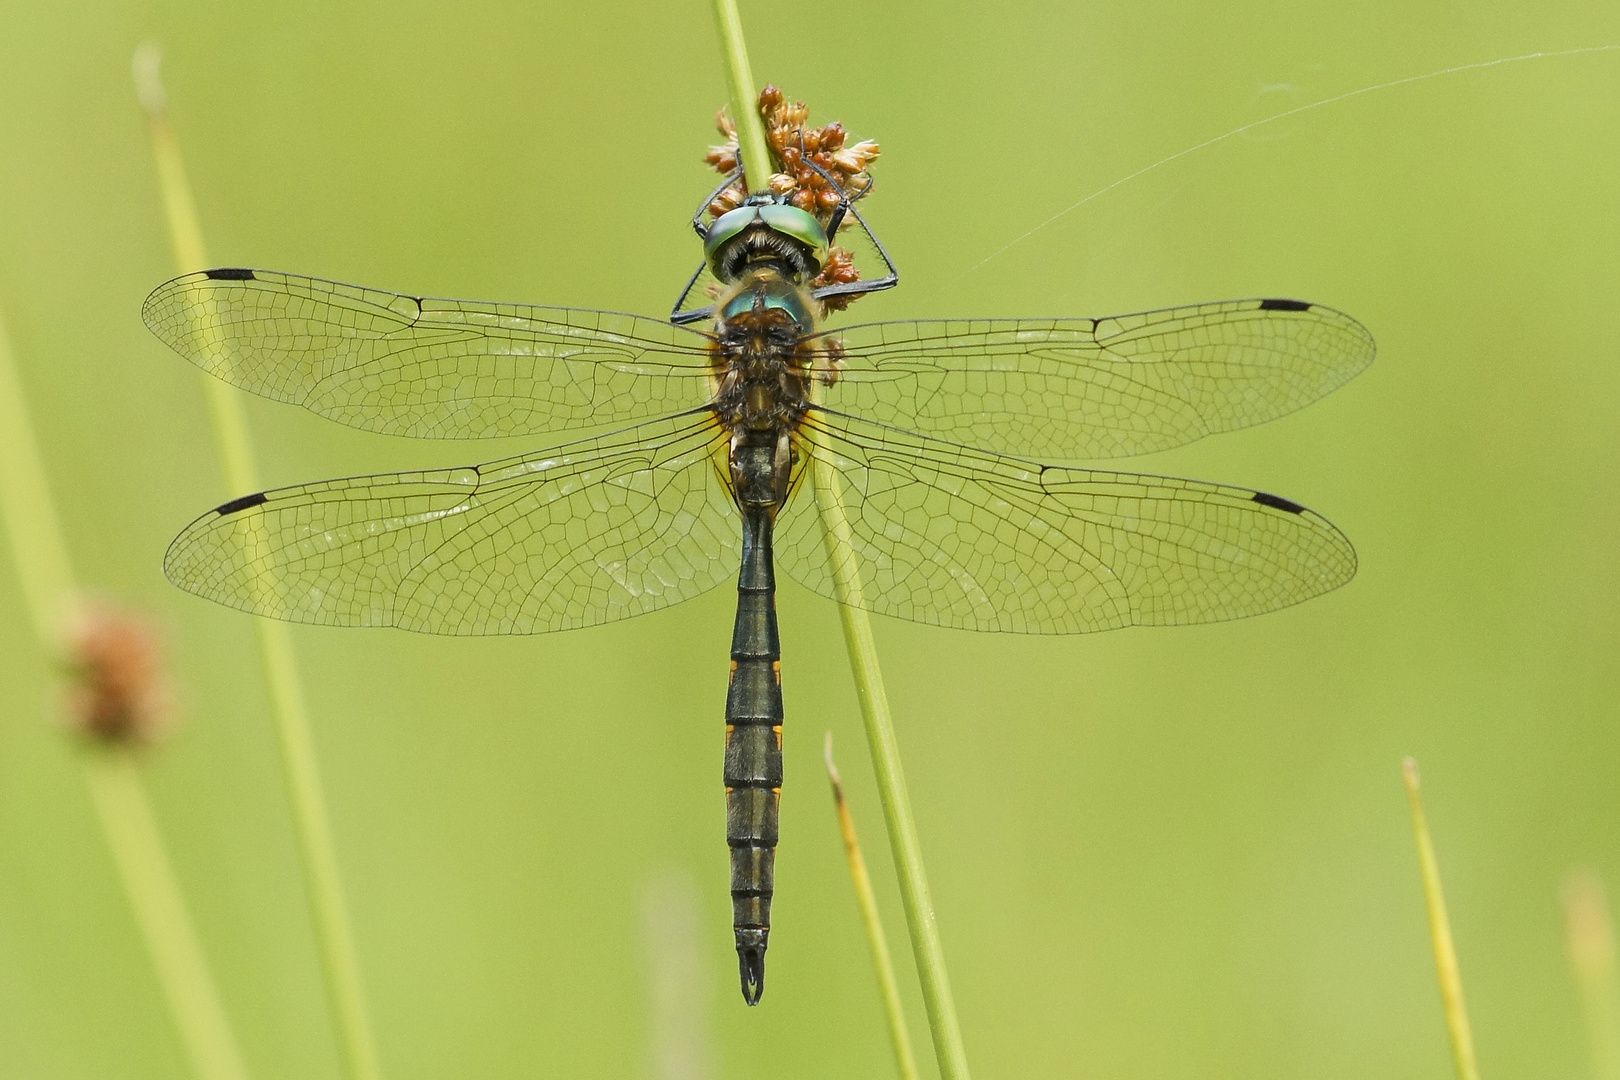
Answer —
117 694
839 270
793 149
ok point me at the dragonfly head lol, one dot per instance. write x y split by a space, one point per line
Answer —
767 231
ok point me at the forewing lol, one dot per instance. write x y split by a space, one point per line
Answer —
407 365
1096 388
584 533
951 536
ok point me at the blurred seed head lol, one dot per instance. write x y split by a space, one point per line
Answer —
146 65
1587 924
118 693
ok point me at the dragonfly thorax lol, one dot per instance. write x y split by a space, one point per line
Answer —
762 366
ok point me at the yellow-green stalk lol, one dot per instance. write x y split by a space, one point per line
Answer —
926 948
888 989
311 827
751 148
880 737
143 864
1590 931
1445 953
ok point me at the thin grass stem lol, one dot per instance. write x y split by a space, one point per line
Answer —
160 909
880 737
751 147
31 523
1445 952
1590 930
312 829
888 989
143 864
926 948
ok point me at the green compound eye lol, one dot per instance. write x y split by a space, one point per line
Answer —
802 226
727 225
790 221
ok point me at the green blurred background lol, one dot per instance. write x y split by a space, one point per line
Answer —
1155 853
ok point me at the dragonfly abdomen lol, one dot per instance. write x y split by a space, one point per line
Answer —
753 770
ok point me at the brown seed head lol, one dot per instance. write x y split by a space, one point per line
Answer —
118 694
855 159
839 270
794 149
828 370
722 159
728 200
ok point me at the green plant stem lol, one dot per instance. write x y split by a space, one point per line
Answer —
751 148
30 516
160 909
312 828
126 815
880 737
876 940
926 949
1592 960
1445 952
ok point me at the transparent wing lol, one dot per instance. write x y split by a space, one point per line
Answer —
584 533
407 365
951 536
1097 388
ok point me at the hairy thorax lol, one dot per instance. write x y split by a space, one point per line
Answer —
762 366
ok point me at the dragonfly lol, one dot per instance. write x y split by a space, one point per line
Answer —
951 441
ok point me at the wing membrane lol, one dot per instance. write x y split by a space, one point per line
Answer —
405 365
952 536
580 534
1094 388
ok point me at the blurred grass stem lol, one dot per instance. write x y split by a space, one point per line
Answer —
1445 953
905 1064
30 516
311 826
160 909
1590 929
144 868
